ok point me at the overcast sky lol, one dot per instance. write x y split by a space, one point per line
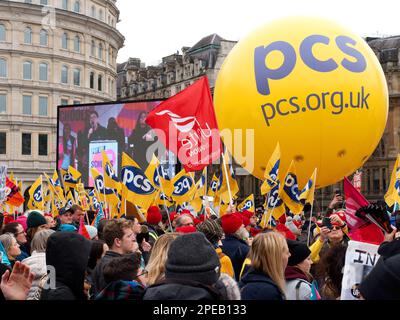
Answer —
157 28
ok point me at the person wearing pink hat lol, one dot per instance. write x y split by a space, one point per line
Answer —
234 245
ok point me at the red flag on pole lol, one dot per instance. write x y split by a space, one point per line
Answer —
359 230
186 125
82 229
13 194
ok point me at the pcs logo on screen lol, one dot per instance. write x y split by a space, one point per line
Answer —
136 181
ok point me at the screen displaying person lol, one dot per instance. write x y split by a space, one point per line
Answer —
96 130
69 148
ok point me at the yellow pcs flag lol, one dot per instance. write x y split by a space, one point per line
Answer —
110 176
272 171
71 178
184 187
307 194
36 195
392 196
105 194
247 204
136 187
227 169
289 191
213 186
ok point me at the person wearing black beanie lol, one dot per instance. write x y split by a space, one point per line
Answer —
297 273
383 282
192 269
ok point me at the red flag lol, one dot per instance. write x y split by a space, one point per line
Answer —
186 125
360 231
82 229
13 194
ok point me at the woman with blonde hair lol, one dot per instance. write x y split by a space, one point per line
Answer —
265 279
158 258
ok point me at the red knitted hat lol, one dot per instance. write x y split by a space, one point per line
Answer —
231 222
285 231
173 215
154 215
254 232
246 215
186 229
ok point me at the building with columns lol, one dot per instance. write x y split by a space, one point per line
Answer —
52 52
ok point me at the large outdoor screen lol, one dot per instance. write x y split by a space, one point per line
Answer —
84 131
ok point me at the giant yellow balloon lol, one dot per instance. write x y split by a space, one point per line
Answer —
311 85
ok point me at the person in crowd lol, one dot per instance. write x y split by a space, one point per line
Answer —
68 253
96 131
391 245
65 218
265 280
15 283
97 252
234 245
158 258
50 221
11 247
292 226
69 148
100 228
185 229
140 139
192 269
308 227
125 279
214 233
76 214
382 282
120 239
20 235
37 263
35 222
329 272
184 220
154 218
329 237
297 273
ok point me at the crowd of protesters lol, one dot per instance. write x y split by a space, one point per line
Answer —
179 256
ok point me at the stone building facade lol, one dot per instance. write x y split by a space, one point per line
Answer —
52 52
176 72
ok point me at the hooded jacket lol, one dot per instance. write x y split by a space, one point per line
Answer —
256 285
68 253
298 286
37 264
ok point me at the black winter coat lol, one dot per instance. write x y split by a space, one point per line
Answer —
256 285
97 276
237 251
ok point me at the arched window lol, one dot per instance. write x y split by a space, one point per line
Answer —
77 44
27 70
100 56
43 71
64 41
64 74
100 83
28 36
77 77
77 6
44 38
93 49
2 32
3 68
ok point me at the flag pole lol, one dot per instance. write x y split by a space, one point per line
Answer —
227 180
311 211
165 206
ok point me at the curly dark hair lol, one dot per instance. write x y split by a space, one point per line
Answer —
329 271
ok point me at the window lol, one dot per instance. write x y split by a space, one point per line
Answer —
64 102
65 4
93 11
64 74
384 178
64 41
27 72
27 105
100 51
101 16
77 44
44 38
3 68
93 49
26 143
76 102
43 71
43 106
44 2
100 83
28 1
3 143
28 36
77 6
2 32
91 80
77 77
42 151
3 103
375 180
